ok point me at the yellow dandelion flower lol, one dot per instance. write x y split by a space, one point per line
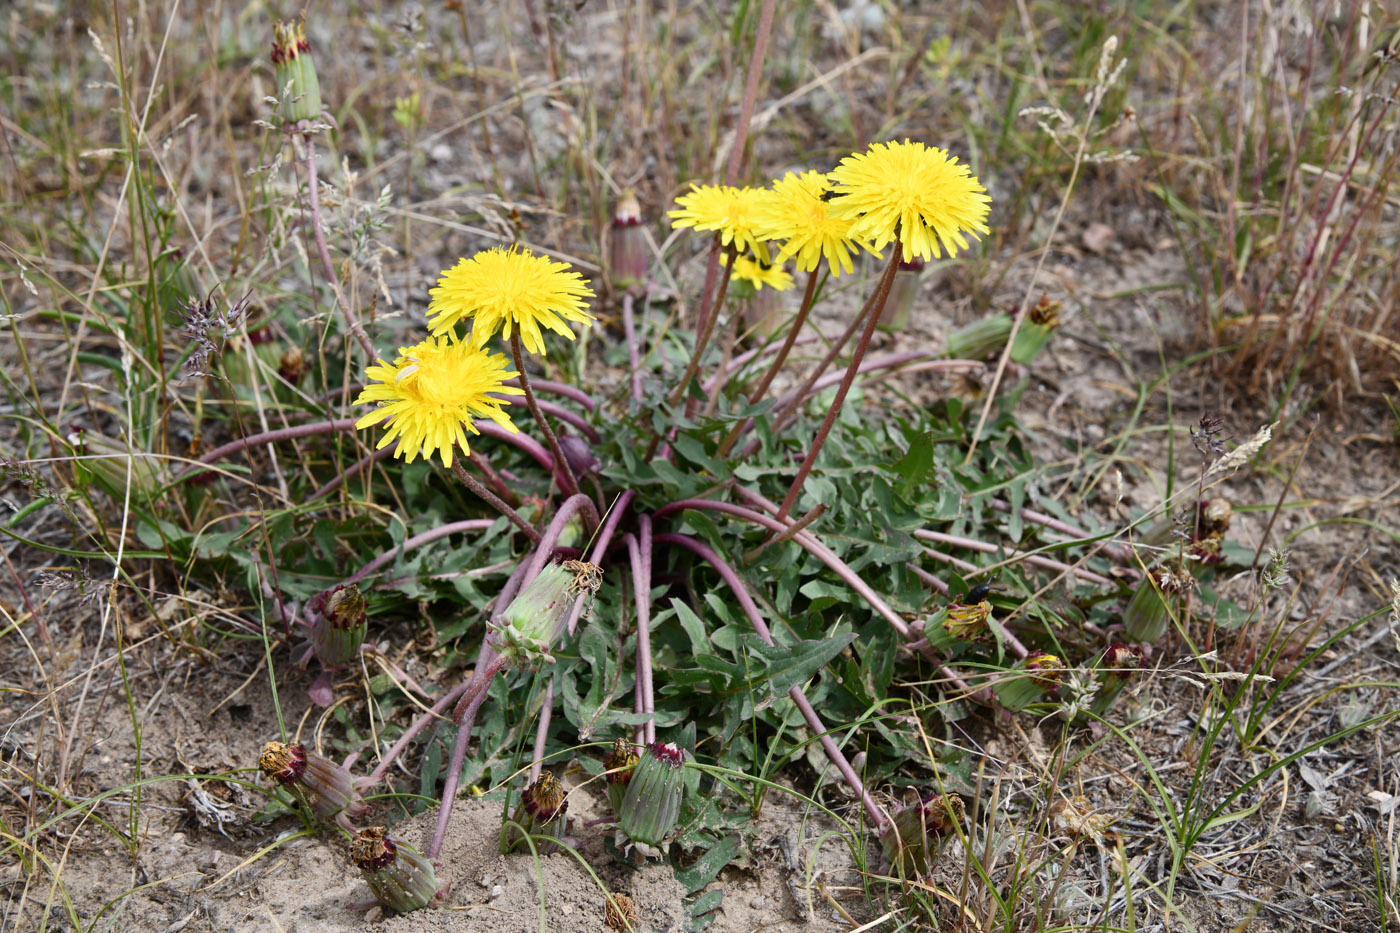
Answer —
501 289
796 211
728 210
429 395
911 194
747 269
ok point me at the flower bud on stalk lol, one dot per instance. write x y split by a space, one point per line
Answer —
543 811
1040 325
621 762
912 840
968 622
903 291
338 624
401 877
535 620
652 805
1145 619
980 339
1117 664
321 784
297 85
628 257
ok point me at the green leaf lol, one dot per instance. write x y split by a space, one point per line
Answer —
707 867
793 666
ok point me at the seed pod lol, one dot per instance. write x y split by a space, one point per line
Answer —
543 811
652 805
620 913
621 762
323 786
1145 619
297 85
400 876
338 624
535 621
628 256
912 840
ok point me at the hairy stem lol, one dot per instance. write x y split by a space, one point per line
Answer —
493 500
563 472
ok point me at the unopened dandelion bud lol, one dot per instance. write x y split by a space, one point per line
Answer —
543 811
1040 325
980 339
293 365
536 619
1145 619
628 258
401 877
903 291
1047 670
912 840
1216 515
338 624
652 805
968 622
324 786
297 85
579 455
1121 660
621 762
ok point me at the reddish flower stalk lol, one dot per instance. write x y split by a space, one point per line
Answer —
972 544
741 593
640 553
882 292
562 473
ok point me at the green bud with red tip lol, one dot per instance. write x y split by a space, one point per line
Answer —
543 811
651 807
297 85
912 841
325 787
338 624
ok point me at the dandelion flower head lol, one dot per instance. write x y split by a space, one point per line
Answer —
796 211
912 194
430 395
503 289
748 269
725 209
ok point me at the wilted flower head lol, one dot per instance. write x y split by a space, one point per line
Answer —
1047 670
504 290
621 761
621 914
400 876
543 810
432 394
968 622
910 194
1122 659
732 212
321 784
912 840
652 805
338 623
628 257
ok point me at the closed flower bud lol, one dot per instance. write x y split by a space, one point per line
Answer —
652 805
1121 660
401 877
1040 325
1046 670
579 455
297 85
1145 619
338 624
903 291
628 256
543 811
535 621
968 622
1216 515
323 786
980 339
912 840
293 366
620 763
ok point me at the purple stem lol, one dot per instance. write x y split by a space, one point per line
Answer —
562 472
938 537
641 587
833 752
882 291
545 549
419 724
560 388
351 472
475 695
542 732
1115 551
634 356
748 356
417 541
567 415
